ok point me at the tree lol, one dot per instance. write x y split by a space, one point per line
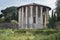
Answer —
1 15
52 20
58 10
10 13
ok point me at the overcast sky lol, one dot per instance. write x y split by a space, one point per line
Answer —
7 3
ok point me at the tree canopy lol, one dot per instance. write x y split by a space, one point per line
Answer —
10 13
58 10
52 21
1 15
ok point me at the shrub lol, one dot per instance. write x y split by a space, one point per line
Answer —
9 34
20 31
2 20
47 32
15 23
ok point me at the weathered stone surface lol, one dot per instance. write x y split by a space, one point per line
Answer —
7 25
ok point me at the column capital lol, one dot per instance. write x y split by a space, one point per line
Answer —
22 7
19 11
47 9
41 7
31 6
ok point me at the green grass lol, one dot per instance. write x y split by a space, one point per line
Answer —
9 34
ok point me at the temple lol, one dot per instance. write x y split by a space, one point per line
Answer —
33 16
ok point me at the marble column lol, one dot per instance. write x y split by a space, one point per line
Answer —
19 18
47 14
36 16
46 18
45 21
26 8
22 17
41 17
31 14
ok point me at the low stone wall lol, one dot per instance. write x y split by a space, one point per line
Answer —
7 25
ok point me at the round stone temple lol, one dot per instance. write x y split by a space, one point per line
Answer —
33 16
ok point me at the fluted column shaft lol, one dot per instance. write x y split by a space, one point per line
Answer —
31 10
45 22
36 16
19 18
26 16
22 17
47 13
41 16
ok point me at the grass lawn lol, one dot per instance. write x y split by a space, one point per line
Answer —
10 34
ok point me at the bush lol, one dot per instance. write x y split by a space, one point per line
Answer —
15 23
47 32
23 34
6 32
20 31
2 20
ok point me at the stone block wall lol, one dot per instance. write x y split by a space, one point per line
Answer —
8 25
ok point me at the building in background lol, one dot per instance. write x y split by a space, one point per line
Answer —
33 16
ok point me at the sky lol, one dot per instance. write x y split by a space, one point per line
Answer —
8 3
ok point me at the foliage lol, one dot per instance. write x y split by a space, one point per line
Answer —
1 15
52 21
9 34
2 20
10 13
46 32
15 23
58 10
